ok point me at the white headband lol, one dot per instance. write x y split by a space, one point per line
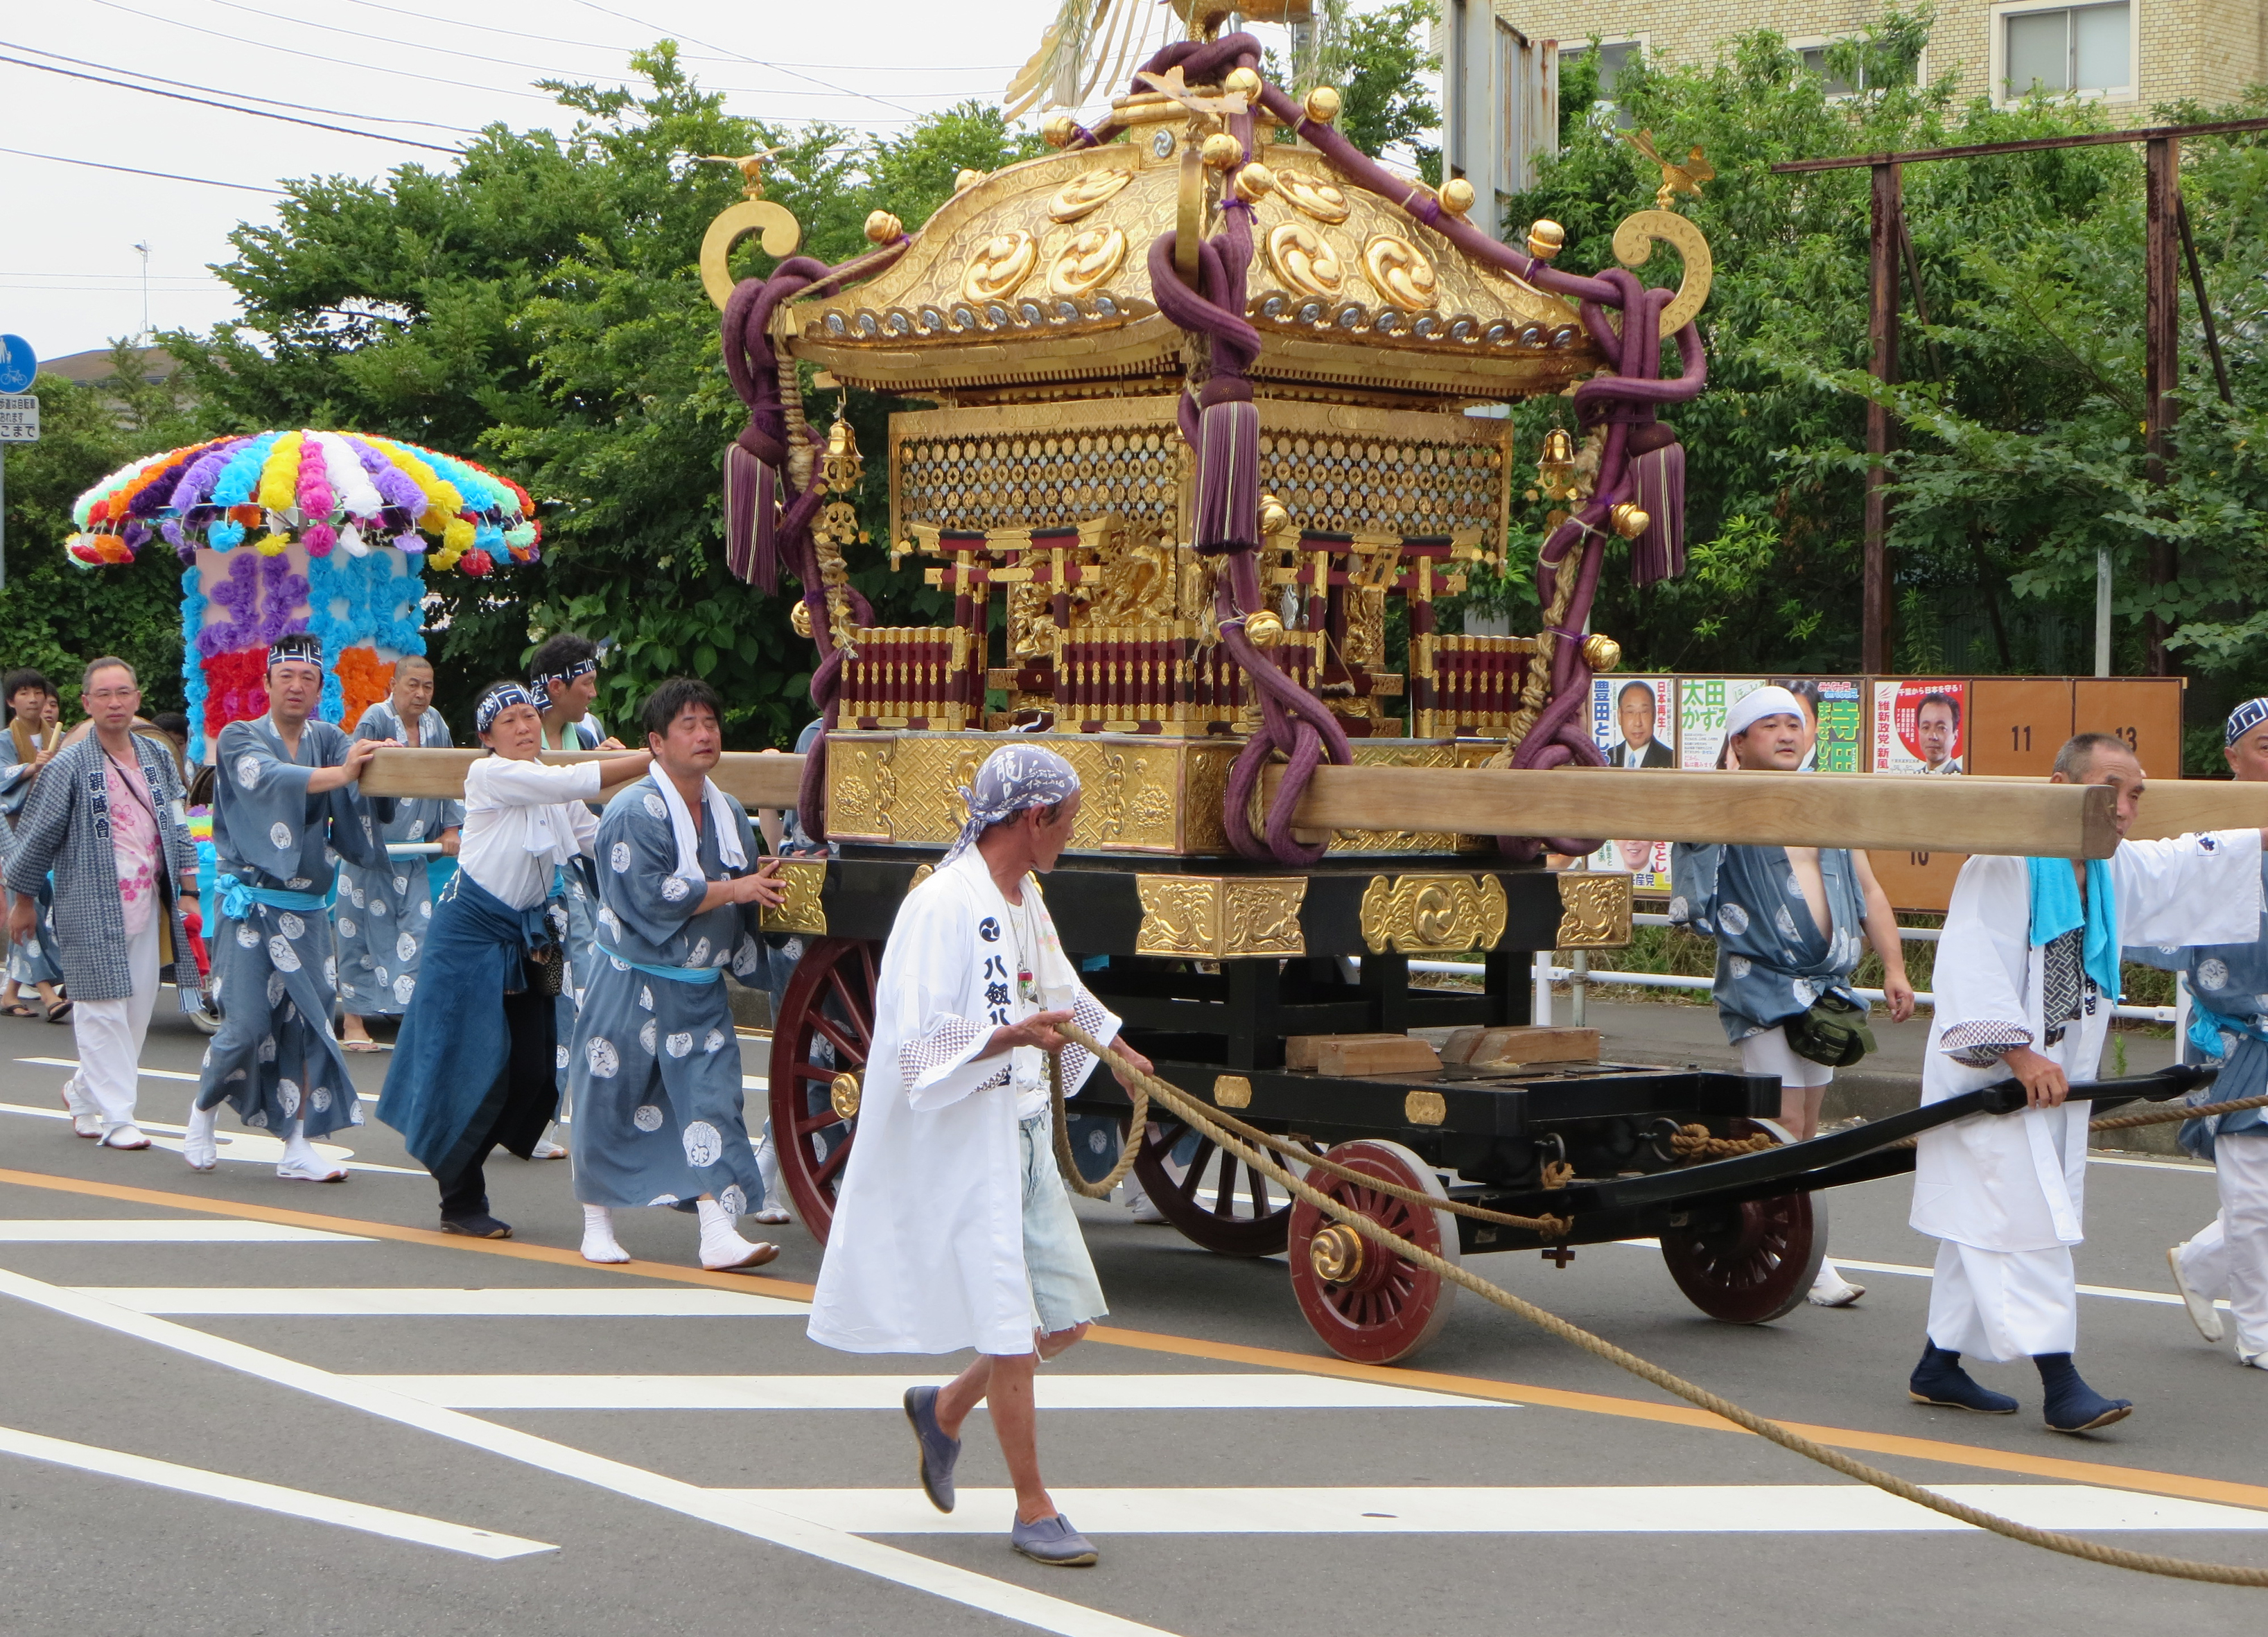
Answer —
1754 707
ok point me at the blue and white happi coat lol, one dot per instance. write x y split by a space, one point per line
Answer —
655 1070
1773 960
37 959
274 976
581 905
384 915
2228 1025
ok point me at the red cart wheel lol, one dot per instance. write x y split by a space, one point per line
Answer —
820 1041
1748 1264
1366 1303
1215 1200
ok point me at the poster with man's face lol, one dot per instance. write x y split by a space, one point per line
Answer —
1634 721
1702 702
1921 726
1647 863
1833 723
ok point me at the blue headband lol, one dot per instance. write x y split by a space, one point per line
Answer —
300 645
2244 718
496 701
580 668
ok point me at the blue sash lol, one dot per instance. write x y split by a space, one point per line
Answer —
238 896
675 974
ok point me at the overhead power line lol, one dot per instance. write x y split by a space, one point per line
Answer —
258 114
132 170
240 95
591 5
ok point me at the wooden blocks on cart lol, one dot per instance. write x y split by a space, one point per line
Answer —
1525 1043
1354 1055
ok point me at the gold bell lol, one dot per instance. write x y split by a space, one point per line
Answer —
885 229
1601 652
1254 181
963 180
1546 240
1264 627
799 617
1275 518
1629 520
1058 131
1457 195
1323 103
1221 150
1242 83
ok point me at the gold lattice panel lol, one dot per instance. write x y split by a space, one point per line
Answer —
1341 484
1032 480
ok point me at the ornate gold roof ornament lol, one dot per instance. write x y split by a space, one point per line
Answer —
1675 178
754 214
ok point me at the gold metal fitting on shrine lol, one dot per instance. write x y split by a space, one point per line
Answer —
1336 1253
1264 627
1243 83
1275 517
842 1096
963 180
1222 150
1546 240
1630 521
1601 652
1254 182
1059 131
1457 196
799 616
884 229
1323 104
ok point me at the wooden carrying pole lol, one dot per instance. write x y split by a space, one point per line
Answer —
753 778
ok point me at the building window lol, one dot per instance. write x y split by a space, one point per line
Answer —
1612 59
2082 48
1813 57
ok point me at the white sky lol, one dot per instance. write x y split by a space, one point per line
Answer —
70 277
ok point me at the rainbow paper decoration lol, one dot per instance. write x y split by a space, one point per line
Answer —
324 491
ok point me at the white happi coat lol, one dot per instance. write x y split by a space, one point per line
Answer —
926 1254
2017 1182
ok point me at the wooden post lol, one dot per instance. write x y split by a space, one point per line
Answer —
2161 364
1885 233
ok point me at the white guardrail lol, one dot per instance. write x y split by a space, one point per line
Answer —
1580 978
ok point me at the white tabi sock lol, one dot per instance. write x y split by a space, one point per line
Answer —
301 1162
721 1245
197 1145
599 1242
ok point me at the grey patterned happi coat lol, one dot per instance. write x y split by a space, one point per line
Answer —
383 915
65 828
274 976
655 1067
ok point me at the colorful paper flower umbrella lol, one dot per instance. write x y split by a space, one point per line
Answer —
325 491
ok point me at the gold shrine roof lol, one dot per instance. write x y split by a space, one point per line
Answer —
1039 274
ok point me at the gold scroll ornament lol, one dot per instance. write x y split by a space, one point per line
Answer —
803 910
1085 262
1634 242
1433 915
781 230
1595 910
999 270
842 1093
1085 192
1305 259
1218 918
1399 271
1321 200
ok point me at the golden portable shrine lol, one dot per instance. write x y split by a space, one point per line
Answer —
1210 390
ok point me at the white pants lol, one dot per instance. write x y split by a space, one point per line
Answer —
2230 1257
1768 1054
109 1034
1999 1305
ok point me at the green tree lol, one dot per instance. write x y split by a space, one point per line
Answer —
56 614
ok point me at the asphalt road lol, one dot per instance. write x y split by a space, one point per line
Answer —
460 1440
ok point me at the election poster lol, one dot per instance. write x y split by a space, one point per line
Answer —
1921 725
1702 702
1833 721
1647 863
1634 720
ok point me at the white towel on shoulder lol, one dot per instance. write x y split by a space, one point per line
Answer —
721 815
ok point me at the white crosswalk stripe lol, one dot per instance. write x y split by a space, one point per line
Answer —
1257 1390
308 1302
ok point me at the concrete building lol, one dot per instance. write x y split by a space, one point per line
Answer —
2127 53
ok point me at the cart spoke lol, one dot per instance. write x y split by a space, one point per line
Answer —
833 1161
1188 1187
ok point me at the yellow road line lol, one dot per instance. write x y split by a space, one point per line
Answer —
2139 1480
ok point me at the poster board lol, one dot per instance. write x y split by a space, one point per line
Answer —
2019 723
1702 704
1835 717
1647 864
1634 720
2144 711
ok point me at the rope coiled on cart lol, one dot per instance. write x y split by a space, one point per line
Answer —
1216 1126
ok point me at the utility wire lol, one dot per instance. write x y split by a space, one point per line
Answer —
242 96
591 5
258 114
130 170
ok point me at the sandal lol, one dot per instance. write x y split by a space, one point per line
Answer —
363 1046
60 1012
17 1008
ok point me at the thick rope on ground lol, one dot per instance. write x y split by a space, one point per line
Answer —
1204 1118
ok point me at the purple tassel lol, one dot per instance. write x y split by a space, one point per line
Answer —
1228 476
1659 552
752 519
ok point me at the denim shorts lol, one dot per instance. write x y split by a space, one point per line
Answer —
1065 1290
